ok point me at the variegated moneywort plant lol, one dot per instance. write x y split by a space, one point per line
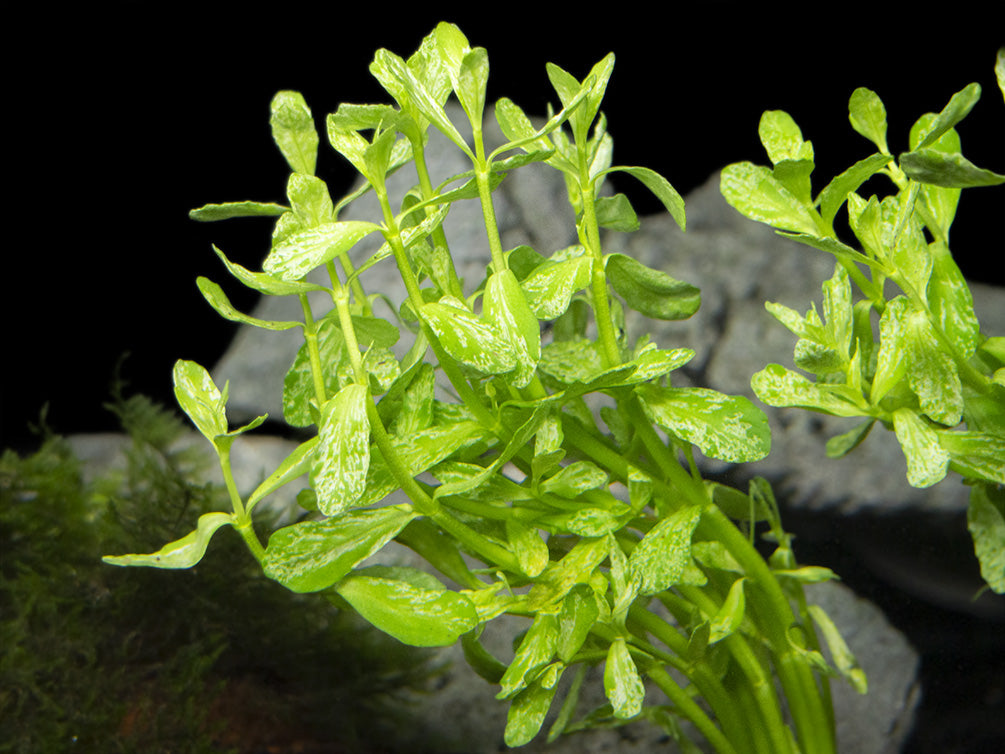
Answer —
908 352
548 463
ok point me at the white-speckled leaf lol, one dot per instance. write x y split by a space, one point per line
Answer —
754 192
469 339
727 427
299 253
661 558
781 387
927 461
200 398
507 310
622 682
182 553
343 452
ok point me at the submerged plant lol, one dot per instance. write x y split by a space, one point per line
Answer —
592 523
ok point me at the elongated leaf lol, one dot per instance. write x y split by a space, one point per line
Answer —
527 712
729 428
507 311
986 521
265 283
301 252
293 131
661 189
213 212
651 292
727 621
956 110
574 479
342 456
754 192
781 387
550 287
182 553
295 465
836 192
313 555
578 614
977 454
535 651
200 398
659 561
946 170
216 298
412 611
622 682
843 658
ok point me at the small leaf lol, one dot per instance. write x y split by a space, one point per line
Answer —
616 213
526 543
213 212
651 292
868 117
659 560
927 461
782 139
842 445
296 464
836 192
343 452
844 660
265 283
216 298
527 712
986 521
780 387
293 131
414 612
298 254
313 555
754 192
661 189
574 479
506 310
535 651
200 398
729 428
622 682
730 615
469 339
182 553
575 620
550 286
956 110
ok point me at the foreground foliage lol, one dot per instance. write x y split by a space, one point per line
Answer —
548 463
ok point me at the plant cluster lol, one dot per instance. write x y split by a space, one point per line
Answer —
549 464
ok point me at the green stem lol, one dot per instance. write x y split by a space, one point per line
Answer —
690 709
314 354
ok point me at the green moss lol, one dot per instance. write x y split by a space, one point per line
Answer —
213 659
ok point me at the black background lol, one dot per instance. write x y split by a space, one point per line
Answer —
121 118
124 118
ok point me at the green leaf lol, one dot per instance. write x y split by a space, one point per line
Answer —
780 387
782 139
947 170
976 454
956 110
661 189
298 254
986 521
182 553
313 555
550 286
309 200
535 651
892 361
216 298
213 212
927 461
265 283
469 339
527 712
843 658
868 117
574 479
836 192
506 310
293 131
575 620
755 192
298 384
842 445
616 213
526 543
730 615
296 464
622 682
418 612
659 560
200 399
729 428
651 292
343 451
